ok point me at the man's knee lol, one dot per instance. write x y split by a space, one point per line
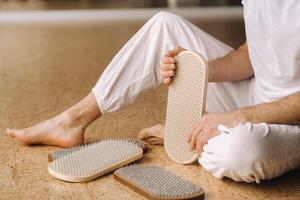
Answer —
239 154
165 17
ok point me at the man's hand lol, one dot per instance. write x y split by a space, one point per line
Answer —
207 128
168 65
283 111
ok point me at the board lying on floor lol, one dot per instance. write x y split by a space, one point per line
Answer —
155 182
95 160
63 152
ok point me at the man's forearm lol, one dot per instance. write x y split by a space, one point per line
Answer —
235 66
283 111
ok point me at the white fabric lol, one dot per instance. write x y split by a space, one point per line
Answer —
252 152
272 29
246 152
136 65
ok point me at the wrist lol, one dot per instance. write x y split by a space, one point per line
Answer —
210 71
239 117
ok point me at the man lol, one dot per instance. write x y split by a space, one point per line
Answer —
251 129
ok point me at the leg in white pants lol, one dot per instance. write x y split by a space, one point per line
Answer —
136 66
244 153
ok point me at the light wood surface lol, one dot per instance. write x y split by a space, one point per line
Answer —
45 68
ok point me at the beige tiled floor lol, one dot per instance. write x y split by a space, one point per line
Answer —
46 68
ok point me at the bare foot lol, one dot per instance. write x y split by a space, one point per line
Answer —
153 135
65 130
58 131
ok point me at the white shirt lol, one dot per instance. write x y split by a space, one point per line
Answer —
273 36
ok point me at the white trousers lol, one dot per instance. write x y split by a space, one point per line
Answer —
247 152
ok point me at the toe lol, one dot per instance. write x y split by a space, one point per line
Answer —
158 131
19 134
143 135
155 141
11 132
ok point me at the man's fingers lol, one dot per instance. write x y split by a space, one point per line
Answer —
193 141
194 135
190 133
197 129
200 142
167 81
203 138
168 60
168 74
189 137
167 67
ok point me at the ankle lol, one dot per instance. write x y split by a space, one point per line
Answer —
83 113
73 119
68 119
80 117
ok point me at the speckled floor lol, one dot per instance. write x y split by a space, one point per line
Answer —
45 68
